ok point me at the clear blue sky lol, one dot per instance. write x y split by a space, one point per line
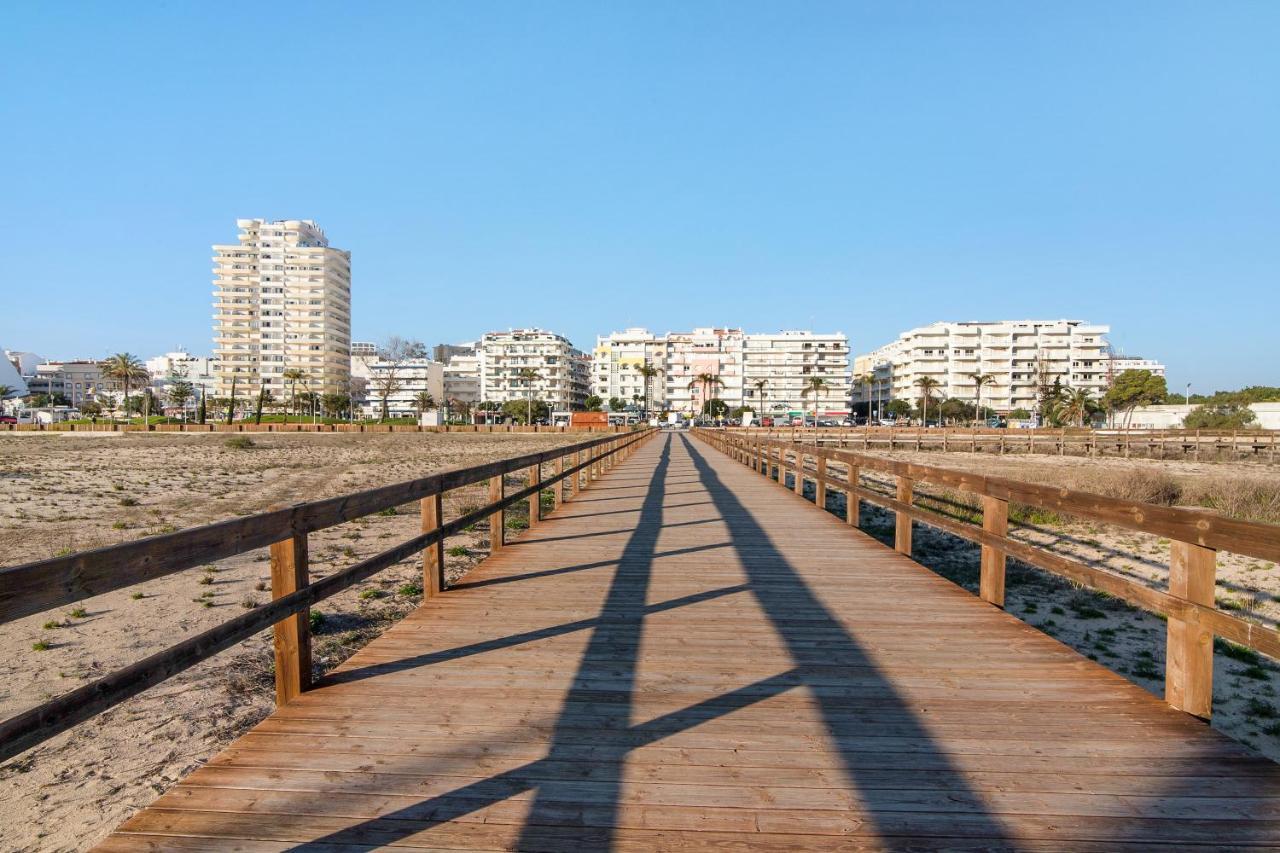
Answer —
864 167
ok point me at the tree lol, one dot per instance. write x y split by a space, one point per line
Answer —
868 380
1221 416
257 409
1020 415
617 404
760 385
898 408
715 407
592 403
1078 405
180 388
526 411
90 407
293 376
424 402
528 375
124 369
647 371
706 381
979 380
926 384
814 385
334 404
231 402
391 359
1134 388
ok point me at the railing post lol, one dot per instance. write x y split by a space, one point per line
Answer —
820 484
433 556
557 490
851 506
535 499
1188 677
495 518
293 633
798 485
995 520
902 521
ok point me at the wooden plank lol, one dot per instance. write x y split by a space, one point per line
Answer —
534 478
433 555
995 520
1189 661
496 519
292 635
902 520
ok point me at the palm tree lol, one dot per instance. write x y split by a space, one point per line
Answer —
648 371
868 379
980 379
124 369
705 381
814 385
926 384
293 376
6 390
761 384
424 402
1078 405
528 374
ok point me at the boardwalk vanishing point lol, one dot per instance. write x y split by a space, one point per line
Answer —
687 656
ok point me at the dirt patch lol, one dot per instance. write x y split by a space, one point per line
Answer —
69 493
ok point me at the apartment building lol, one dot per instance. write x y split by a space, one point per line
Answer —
563 375
11 375
778 370
1014 352
402 383
703 351
79 381
282 301
617 363
1121 363
462 378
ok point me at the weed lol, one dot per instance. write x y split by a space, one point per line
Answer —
410 589
248 602
120 525
206 580
1235 651
49 626
79 613
1259 708
137 595
388 511
369 594
517 523
1255 672
39 646
1146 669
260 586
128 502
238 442
315 620
1084 611
457 551
1029 607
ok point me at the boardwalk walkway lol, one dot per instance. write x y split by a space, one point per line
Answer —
689 656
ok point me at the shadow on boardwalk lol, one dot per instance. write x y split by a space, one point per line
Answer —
562 817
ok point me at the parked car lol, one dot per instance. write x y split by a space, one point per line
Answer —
8 419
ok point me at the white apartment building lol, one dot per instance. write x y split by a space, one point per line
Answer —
199 369
706 350
462 378
78 381
1015 352
282 302
783 361
616 368
11 375
403 382
777 369
1121 363
563 373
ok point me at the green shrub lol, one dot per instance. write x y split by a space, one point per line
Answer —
238 442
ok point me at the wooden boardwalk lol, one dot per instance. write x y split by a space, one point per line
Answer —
687 656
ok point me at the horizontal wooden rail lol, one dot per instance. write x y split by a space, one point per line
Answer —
38 724
1196 535
45 584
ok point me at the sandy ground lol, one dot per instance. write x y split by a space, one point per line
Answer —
71 492
1128 640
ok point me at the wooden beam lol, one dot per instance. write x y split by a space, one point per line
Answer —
902 521
820 484
851 506
293 633
433 555
557 488
496 519
1188 678
534 477
995 520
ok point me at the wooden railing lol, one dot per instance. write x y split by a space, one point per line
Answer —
1195 536
35 587
1195 444
242 426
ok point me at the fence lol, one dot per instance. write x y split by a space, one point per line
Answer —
1195 537
35 587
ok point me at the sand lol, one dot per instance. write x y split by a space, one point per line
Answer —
67 492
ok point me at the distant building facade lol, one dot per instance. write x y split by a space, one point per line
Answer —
1016 353
405 380
282 302
1121 363
563 372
